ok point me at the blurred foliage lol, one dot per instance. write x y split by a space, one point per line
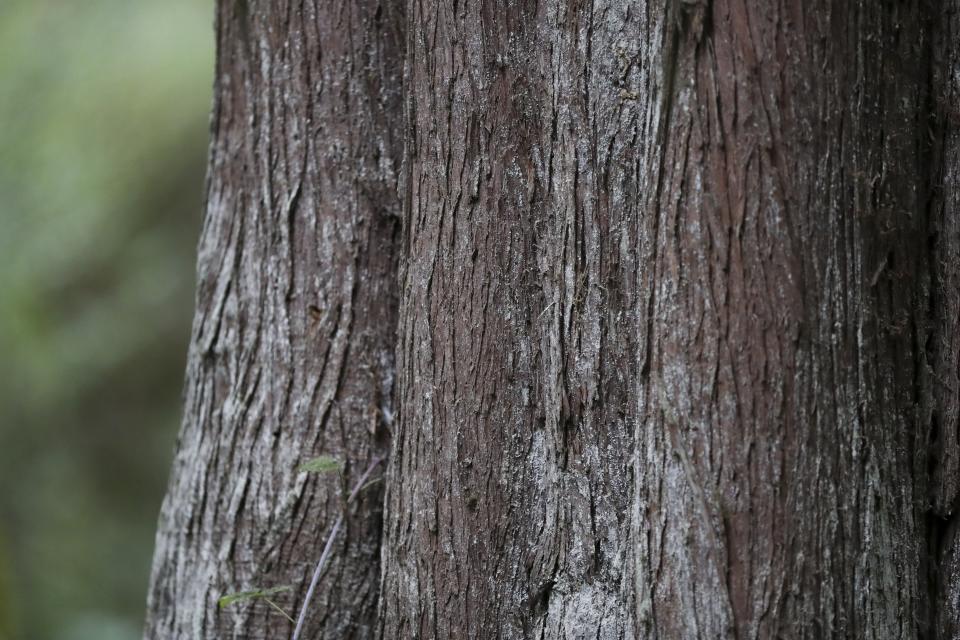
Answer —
104 105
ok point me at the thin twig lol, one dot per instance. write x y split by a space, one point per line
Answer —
280 609
328 547
371 483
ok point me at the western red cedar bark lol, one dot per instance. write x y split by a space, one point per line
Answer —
665 325
677 329
292 347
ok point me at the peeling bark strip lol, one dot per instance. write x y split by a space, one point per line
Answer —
664 314
291 354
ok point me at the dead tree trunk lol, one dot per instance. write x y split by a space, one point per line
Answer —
292 347
677 331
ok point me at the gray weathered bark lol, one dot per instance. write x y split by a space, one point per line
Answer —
677 349
291 354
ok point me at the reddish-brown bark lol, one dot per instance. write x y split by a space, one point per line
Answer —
677 342
662 362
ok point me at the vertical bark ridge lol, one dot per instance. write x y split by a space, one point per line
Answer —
292 347
781 445
510 474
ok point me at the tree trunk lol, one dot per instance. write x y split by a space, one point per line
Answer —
677 352
292 347
661 356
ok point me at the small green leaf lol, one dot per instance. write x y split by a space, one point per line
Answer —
323 464
232 598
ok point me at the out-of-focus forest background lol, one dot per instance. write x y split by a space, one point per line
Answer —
103 130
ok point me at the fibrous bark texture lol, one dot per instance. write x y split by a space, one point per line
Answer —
664 312
781 467
291 354
675 318
518 360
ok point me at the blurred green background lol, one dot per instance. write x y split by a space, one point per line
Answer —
103 131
